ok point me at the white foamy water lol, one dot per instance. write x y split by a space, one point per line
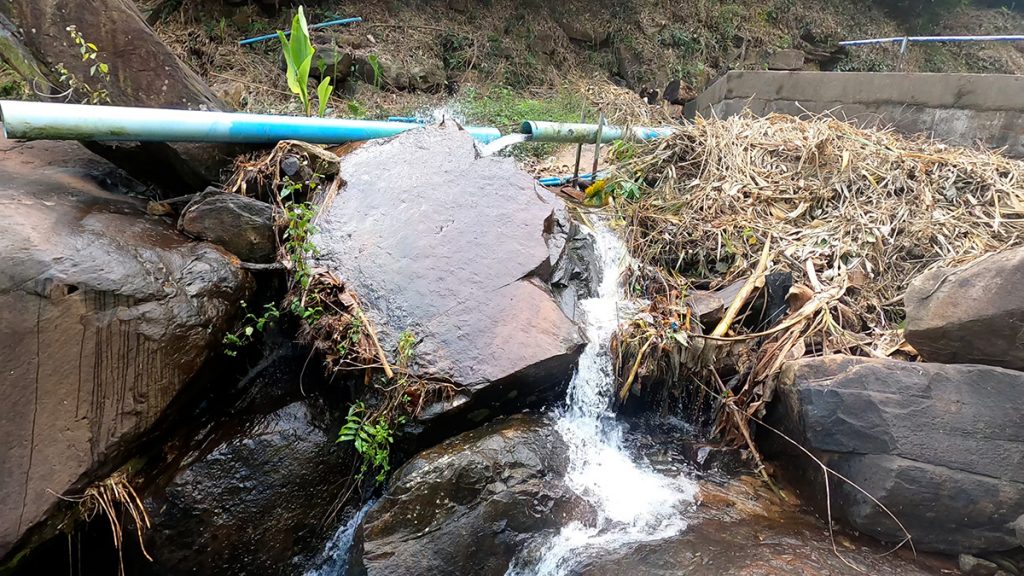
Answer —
633 502
502 143
334 559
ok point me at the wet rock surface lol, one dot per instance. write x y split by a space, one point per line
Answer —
941 446
143 72
105 314
257 502
455 249
242 226
468 505
740 529
970 315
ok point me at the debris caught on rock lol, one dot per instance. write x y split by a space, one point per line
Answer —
854 215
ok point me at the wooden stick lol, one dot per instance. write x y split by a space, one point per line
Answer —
741 297
376 343
632 373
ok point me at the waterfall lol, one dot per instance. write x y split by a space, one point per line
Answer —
333 561
633 502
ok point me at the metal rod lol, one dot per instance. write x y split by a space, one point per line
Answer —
248 41
597 146
573 133
579 150
895 39
52 121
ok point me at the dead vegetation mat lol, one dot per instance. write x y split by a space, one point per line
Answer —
803 235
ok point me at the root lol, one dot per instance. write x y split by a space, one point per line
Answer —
113 498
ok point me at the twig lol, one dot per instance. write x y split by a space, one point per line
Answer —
741 297
632 373
376 343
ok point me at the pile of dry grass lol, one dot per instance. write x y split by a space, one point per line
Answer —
853 214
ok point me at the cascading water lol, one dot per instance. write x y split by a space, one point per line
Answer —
633 502
334 559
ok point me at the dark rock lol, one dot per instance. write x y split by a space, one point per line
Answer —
543 42
468 505
143 72
459 5
786 60
973 566
105 314
575 272
753 546
331 61
243 226
427 76
350 41
254 504
629 65
583 31
389 73
1018 526
941 446
452 248
971 314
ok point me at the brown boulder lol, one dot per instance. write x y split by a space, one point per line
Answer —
243 226
333 62
143 72
582 30
105 314
455 249
786 60
469 505
970 315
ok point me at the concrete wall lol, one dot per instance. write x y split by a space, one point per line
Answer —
962 109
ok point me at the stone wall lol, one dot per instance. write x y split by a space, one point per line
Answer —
962 109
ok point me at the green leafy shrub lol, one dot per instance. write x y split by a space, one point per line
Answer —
298 55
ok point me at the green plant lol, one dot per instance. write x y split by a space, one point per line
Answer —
506 109
323 95
375 66
298 55
406 347
627 189
353 336
250 326
371 437
99 70
357 110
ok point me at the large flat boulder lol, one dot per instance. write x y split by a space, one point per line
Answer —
970 315
941 446
470 504
105 314
460 251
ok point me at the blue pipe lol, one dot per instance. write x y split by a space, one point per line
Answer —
289 33
52 121
563 180
1012 38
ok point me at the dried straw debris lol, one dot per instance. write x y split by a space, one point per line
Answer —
852 214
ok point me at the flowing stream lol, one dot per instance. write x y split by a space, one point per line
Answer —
633 502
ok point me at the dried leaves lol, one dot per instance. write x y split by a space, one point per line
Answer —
853 214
